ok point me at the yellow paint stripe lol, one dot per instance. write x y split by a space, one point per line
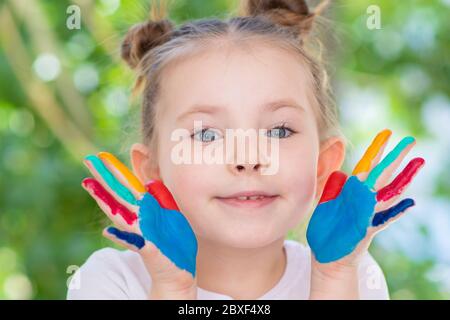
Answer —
366 161
131 178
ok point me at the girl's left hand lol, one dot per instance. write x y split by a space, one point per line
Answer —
351 211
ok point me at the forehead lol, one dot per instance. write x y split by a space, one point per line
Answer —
236 77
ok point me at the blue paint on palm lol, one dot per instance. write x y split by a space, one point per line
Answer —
170 232
337 226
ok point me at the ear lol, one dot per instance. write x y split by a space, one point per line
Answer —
331 158
142 162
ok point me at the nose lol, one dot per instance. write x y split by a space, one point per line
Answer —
247 168
248 159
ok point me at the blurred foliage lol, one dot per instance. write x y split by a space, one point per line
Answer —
65 93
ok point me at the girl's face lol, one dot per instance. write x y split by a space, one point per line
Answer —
234 89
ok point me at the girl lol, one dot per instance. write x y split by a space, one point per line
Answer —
217 230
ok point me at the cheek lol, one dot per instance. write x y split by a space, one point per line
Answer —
190 185
299 174
194 179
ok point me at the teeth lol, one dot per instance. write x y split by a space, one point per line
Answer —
250 198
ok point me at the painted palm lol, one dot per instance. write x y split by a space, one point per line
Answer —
351 210
142 214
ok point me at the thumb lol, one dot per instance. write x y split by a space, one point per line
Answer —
333 186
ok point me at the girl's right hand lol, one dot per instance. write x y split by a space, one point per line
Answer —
147 221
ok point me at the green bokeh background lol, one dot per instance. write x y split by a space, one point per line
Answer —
65 93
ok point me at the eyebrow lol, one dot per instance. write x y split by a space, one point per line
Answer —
270 106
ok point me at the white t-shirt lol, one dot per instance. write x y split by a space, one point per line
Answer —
113 274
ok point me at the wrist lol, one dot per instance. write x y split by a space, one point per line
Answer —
334 280
333 270
168 292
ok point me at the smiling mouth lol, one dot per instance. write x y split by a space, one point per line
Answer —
254 201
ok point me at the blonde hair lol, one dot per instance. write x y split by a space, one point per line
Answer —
150 46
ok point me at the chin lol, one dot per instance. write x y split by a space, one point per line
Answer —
243 228
246 235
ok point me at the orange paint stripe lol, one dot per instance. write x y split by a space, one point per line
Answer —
371 152
129 176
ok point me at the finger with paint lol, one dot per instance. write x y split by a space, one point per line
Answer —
162 194
351 209
142 213
121 215
130 240
381 173
403 179
113 179
372 155
111 193
125 175
389 194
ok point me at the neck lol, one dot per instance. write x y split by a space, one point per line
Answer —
240 273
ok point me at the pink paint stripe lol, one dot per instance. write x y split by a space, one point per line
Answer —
116 208
401 181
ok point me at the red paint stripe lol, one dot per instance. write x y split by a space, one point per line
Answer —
334 185
157 189
116 208
401 181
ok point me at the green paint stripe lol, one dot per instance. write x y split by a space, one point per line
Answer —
387 161
111 180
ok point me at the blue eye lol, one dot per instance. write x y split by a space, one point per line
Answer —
280 132
206 135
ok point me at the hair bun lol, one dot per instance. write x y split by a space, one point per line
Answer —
143 37
289 13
